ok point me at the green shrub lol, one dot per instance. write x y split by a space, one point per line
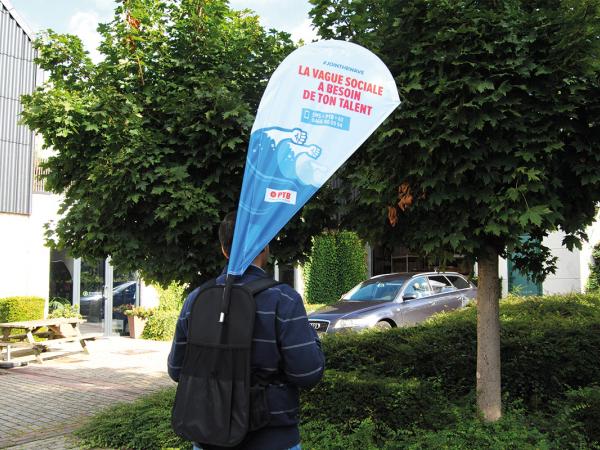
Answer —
583 405
321 272
162 320
549 344
138 311
17 309
575 421
58 303
63 310
161 325
171 298
346 398
446 351
367 435
593 283
467 432
143 424
336 264
414 387
351 259
464 432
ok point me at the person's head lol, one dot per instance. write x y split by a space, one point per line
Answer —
226 230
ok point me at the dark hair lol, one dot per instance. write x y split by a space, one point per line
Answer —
226 231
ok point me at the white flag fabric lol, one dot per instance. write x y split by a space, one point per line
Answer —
323 101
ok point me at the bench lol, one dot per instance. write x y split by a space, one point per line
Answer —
9 346
82 338
59 331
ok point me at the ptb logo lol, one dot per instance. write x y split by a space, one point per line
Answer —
280 196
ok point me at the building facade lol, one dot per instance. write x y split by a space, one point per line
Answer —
24 205
27 266
571 276
572 267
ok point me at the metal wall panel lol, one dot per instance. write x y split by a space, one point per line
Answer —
17 77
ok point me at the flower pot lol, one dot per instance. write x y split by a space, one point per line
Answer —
136 326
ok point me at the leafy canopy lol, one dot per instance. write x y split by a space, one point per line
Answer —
152 140
498 133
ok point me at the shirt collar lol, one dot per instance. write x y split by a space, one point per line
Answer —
260 269
251 269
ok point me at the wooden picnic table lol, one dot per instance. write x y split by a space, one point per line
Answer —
58 330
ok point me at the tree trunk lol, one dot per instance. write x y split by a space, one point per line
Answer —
488 338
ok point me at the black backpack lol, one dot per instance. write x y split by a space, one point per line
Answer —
216 402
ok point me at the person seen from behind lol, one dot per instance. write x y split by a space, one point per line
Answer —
286 351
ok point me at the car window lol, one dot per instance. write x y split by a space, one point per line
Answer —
459 282
387 291
440 284
378 290
419 287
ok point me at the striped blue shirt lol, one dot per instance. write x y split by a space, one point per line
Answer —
284 343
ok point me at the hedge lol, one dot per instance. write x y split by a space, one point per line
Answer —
171 298
145 424
17 309
415 387
513 431
161 325
548 345
321 272
347 398
336 264
142 424
352 260
576 418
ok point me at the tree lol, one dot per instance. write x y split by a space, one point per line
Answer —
497 136
152 140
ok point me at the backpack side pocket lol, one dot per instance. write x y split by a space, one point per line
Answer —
259 408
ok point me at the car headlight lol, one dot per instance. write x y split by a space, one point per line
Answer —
351 323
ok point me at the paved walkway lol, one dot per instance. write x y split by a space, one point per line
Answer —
42 404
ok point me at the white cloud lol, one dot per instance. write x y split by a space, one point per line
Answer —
285 15
304 31
250 4
84 25
105 5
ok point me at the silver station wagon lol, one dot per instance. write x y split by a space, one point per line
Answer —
394 300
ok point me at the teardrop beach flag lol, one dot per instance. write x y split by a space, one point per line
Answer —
323 101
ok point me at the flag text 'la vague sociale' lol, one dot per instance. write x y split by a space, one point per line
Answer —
340 90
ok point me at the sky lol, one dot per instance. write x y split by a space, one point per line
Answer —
81 17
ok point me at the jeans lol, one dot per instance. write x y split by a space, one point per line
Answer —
296 447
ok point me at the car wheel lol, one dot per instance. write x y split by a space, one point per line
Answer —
383 325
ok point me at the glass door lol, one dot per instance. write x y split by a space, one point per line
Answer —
104 295
125 294
92 299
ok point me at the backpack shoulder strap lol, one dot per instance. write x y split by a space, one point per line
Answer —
208 284
203 287
260 285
